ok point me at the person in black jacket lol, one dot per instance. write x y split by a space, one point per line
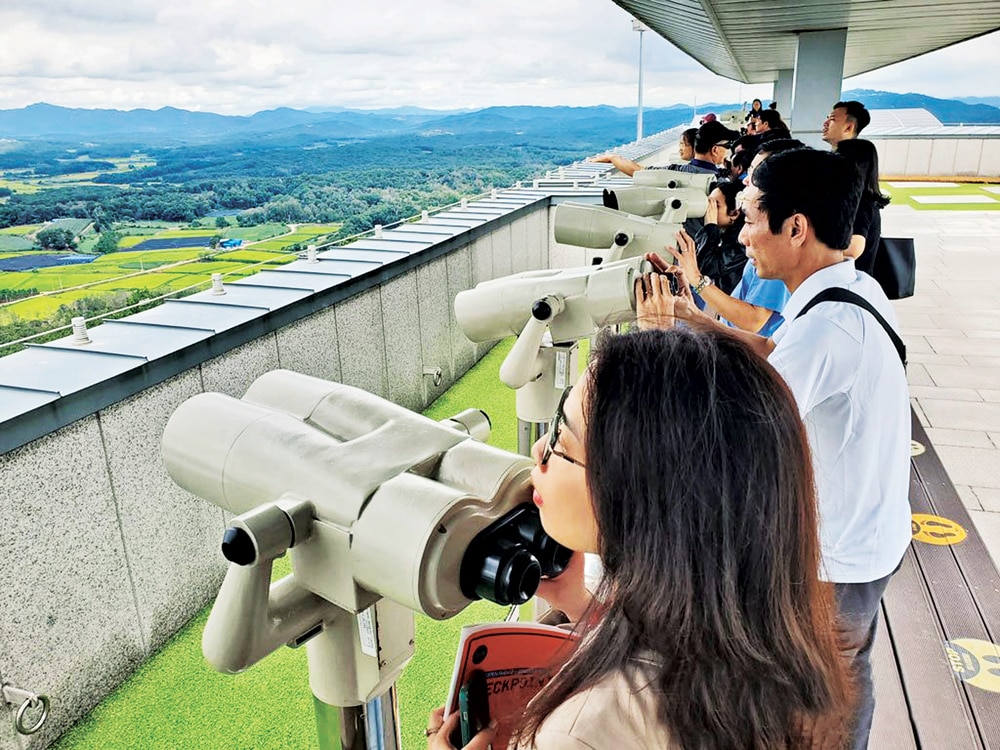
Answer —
867 229
719 255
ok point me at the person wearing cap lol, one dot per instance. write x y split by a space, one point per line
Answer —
710 117
685 149
711 144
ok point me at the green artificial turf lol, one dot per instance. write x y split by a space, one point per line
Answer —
903 196
175 701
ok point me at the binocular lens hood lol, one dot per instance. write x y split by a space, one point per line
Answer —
506 561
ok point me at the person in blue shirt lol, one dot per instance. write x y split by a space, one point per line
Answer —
755 304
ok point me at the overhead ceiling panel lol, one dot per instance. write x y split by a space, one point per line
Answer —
751 40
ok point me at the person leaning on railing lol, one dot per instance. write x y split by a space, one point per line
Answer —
710 628
685 149
711 144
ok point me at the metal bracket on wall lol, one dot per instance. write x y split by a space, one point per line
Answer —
25 701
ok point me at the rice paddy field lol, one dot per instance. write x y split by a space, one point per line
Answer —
21 230
185 264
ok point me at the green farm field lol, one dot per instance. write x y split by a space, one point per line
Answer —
39 307
13 242
18 186
22 230
151 270
255 234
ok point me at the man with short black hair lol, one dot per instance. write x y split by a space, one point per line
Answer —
843 366
845 121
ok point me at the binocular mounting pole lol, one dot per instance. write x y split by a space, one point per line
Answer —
539 371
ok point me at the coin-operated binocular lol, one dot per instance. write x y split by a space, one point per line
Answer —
666 205
619 234
383 512
548 311
675 179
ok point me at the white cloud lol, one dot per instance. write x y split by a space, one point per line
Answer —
241 56
966 69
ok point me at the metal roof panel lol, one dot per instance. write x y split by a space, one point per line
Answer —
358 251
204 316
247 295
403 243
129 338
282 279
16 401
61 371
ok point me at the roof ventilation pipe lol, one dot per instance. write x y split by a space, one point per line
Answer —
80 337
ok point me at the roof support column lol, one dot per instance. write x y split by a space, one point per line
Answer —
819 76
782 93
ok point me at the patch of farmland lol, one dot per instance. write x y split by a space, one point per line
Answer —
31 261
18 186
133 266
254 234
178 232
162 282
11 243
320 228
303 237
172 243
21 229
153 257
45 307
74 225
258 256
207 269
273 244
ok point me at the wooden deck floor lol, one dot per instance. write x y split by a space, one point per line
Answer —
937 670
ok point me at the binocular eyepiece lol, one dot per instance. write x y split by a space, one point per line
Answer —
506 561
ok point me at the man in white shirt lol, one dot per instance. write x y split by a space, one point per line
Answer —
847 378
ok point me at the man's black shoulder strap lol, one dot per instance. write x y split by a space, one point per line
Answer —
837 294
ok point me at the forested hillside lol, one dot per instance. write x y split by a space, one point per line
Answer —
299 166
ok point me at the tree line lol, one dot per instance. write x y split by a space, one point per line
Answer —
358 184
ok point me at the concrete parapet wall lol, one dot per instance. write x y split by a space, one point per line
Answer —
103 557
929 156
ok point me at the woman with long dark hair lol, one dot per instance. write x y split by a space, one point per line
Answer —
868 221
680 459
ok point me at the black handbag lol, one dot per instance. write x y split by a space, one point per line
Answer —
895 267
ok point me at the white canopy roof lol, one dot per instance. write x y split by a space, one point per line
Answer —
752 41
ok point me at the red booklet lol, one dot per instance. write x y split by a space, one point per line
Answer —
517 660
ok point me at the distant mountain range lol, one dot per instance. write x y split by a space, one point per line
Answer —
993 101
171 126
948 111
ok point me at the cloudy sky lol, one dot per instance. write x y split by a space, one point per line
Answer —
243 56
